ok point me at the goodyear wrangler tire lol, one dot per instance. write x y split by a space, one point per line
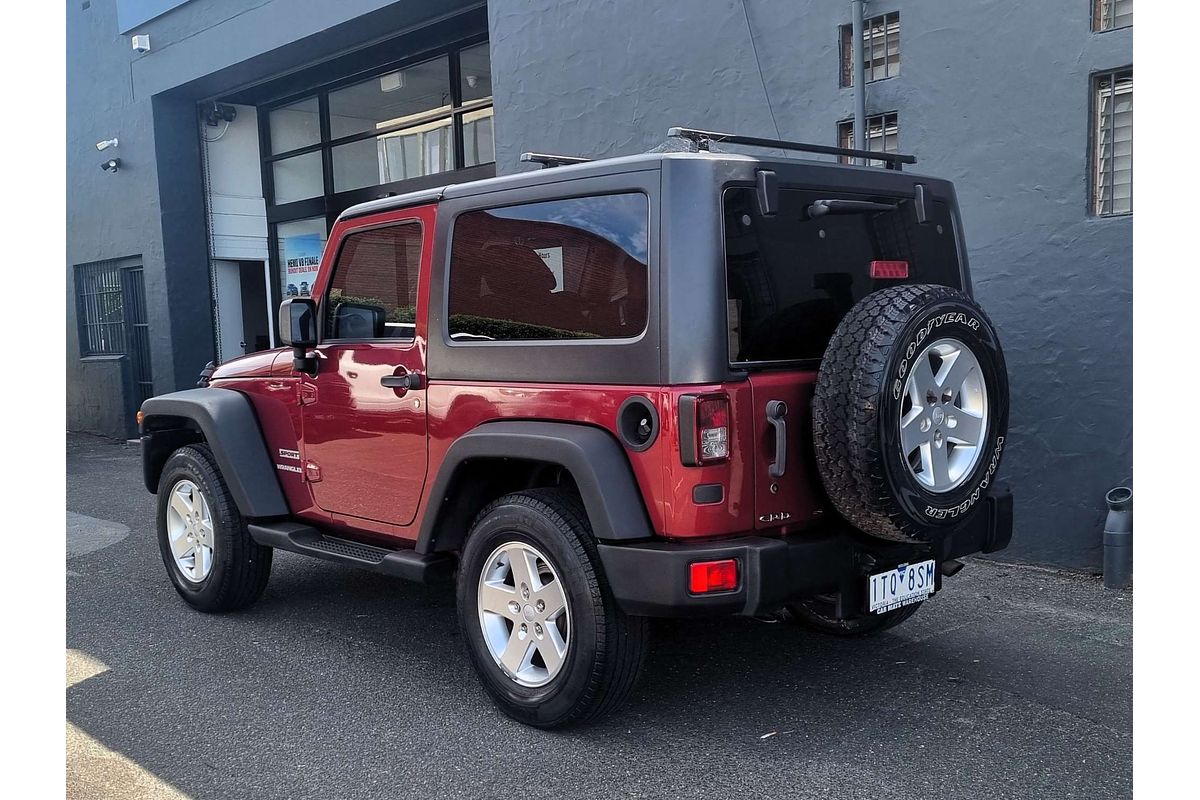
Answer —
910 412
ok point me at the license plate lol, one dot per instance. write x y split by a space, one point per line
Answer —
902 586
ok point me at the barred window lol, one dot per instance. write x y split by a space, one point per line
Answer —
100 309
883 135
1112 157
1109 15
881 49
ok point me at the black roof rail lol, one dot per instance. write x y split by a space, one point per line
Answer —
703 138
548 160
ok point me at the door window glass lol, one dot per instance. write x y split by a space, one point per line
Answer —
373 294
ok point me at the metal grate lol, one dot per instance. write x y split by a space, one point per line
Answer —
881 49
137 332
1112 158
883 135
100 308
1108 15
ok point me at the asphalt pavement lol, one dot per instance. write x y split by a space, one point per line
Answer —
1013 682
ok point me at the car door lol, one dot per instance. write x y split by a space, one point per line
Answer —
364 411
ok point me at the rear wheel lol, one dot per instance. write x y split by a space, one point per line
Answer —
817 613
541 626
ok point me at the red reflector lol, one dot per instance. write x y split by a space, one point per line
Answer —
889 269
713 576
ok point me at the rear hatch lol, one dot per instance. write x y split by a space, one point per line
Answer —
791 277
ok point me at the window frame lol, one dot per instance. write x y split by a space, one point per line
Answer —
846 49
583 195
400 342
1098 17
1095 202
116 268
848 124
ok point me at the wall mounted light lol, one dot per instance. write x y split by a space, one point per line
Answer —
112 165
141 42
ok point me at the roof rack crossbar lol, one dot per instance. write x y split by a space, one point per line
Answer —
703 138
548 160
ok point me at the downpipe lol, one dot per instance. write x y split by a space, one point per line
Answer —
1118 539
860 76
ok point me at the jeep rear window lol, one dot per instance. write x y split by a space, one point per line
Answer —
562 269
791 278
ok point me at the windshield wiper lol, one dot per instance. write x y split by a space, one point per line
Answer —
820 208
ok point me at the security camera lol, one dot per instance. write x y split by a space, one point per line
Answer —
112 165
107 143
218 112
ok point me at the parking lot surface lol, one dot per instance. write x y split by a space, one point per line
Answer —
1013 682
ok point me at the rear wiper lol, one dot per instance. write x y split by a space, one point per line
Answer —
820 208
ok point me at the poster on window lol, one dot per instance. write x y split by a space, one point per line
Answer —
301 255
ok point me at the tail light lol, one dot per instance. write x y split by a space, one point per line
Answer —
889 270
704 430
712 576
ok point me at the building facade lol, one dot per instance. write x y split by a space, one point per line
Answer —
211 143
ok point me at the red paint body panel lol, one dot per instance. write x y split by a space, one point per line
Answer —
794 504
368 441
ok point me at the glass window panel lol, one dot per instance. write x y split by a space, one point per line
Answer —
300 244
409 153
475 67
1113 170
295 126
297 178
479 145
563 269
390 99
376 274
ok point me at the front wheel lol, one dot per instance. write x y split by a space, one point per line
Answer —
209 555
541 626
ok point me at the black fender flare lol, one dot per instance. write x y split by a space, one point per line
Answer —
595 460
227 421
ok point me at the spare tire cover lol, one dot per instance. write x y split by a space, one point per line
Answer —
910 412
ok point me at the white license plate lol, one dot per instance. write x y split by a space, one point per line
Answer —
902 586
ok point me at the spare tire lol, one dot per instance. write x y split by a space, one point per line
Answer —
910 412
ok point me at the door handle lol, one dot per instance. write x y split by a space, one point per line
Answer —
776 411
405 382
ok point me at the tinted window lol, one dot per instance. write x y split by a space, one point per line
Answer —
563 269
374 290
791 278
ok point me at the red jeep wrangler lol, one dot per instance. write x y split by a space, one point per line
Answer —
683 383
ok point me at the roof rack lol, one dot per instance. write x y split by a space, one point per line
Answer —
704 138
548 160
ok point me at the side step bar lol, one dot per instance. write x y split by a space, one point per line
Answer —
307 540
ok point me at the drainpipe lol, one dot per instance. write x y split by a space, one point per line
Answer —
860 76
1118 539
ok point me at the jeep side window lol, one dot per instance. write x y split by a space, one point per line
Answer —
373 294
562 269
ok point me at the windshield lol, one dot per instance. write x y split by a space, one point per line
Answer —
793 276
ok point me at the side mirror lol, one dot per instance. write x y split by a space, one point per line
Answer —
298 329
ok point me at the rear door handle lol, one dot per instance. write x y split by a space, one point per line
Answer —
776 411
405 382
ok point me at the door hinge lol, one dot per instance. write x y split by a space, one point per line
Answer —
312 471
308 394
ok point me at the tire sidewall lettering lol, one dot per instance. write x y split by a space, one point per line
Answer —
947 319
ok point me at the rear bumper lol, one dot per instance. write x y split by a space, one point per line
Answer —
651 578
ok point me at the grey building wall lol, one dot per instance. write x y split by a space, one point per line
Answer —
992 94
154 206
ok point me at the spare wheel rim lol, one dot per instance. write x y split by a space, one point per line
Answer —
944 416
